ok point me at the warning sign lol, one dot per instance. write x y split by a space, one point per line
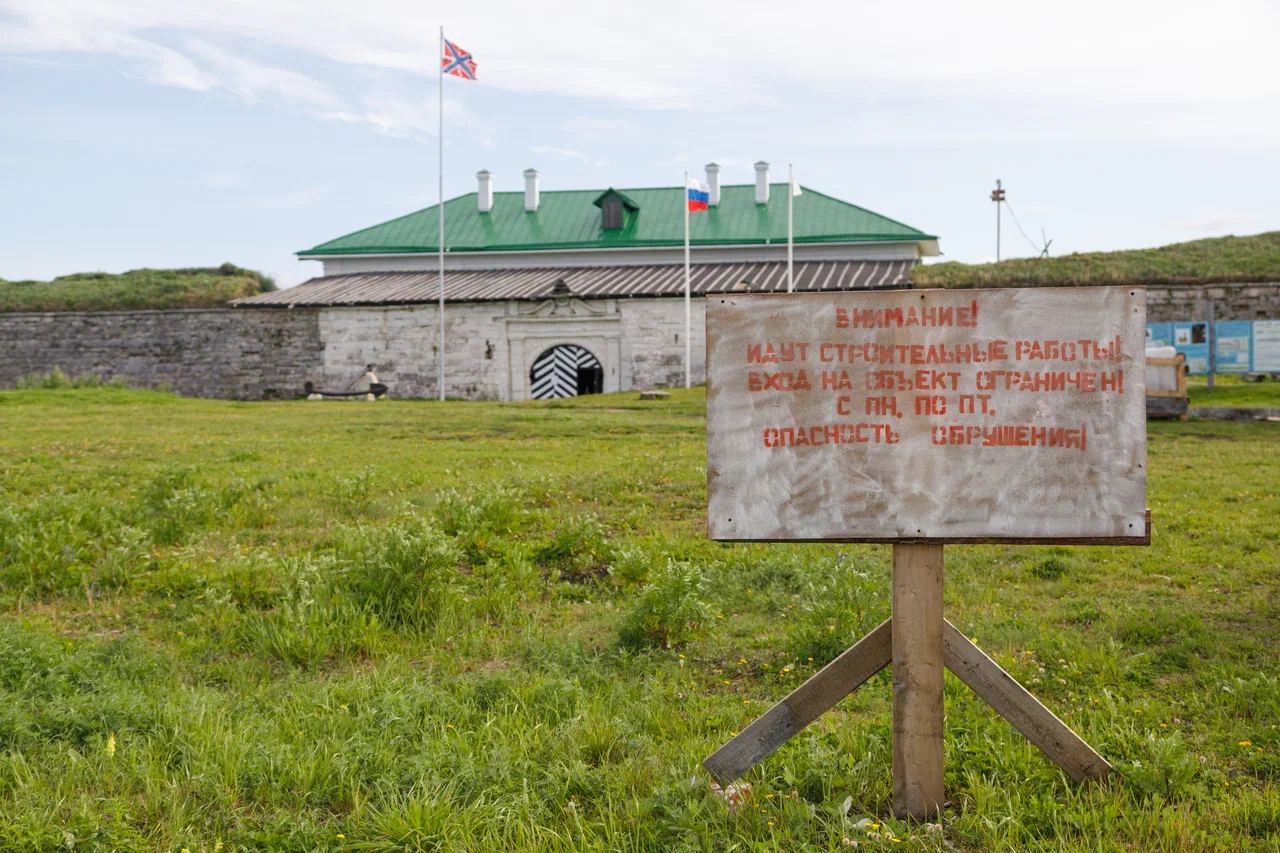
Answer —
950 415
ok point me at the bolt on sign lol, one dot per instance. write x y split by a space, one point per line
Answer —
918 418
941 415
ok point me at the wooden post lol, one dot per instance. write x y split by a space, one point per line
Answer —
917 681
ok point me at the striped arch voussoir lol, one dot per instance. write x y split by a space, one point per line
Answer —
555 373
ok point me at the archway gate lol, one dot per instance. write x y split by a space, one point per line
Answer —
566 370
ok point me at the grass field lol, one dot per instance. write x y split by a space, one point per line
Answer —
1215 259
487 627
197 287
1230 390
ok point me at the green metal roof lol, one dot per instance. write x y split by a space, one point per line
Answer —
570 219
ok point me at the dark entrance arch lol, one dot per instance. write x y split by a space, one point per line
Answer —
566 370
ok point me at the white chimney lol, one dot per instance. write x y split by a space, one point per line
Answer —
713 181
531 190
762 182
484 198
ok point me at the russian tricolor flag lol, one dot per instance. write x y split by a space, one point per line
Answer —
699 194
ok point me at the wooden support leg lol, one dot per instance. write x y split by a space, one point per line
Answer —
917 681
1023 711
919 642
802 706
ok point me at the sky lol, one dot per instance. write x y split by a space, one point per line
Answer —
152 133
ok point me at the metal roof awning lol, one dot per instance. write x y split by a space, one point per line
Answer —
407 288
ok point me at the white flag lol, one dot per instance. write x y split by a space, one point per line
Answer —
795 187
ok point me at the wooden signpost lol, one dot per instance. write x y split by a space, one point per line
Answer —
922 418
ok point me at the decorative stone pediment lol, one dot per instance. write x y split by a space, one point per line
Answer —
563 306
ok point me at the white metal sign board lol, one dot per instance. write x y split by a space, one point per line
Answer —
951 415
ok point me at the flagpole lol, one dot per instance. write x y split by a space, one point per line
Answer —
791 195
440 209
688 343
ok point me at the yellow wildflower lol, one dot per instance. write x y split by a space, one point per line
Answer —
111 744
340 835
1246 743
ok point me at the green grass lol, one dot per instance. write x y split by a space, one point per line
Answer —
1217 259
1230 390
134 290
422 626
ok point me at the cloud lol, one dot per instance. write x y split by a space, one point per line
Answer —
587 127
219 180
1216 224
1169 57
569 154
294 199
252 80
396 115
40 29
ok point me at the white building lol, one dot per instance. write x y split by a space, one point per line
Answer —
564 292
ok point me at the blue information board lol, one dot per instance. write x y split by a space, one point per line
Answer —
1159 334
1192 340
1234 342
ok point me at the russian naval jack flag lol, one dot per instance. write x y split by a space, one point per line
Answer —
455 62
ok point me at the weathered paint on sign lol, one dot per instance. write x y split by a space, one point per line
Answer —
927 414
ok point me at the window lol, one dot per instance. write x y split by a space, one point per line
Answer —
612 215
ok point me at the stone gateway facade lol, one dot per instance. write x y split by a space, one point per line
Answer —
491 348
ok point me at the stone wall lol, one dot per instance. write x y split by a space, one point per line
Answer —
257 353
653 341
402 344
222 352
1173 302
